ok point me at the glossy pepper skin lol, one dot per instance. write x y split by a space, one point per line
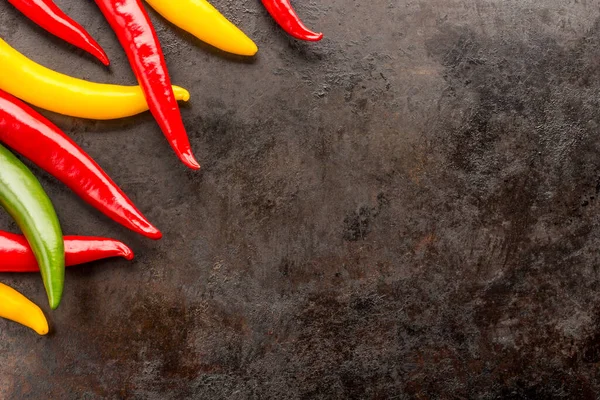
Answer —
285 15
204 21
16 307
66 95
33 136
135 32
47 15
16 255
24 199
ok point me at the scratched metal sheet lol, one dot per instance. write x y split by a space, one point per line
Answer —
407 209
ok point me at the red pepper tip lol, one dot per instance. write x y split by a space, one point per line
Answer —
313 37
98 52
154 234
148 230
126 252
188 159
104 60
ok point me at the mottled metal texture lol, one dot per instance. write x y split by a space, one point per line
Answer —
408 209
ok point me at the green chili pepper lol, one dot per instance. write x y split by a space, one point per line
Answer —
22 196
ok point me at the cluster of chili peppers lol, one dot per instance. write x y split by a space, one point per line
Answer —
43 248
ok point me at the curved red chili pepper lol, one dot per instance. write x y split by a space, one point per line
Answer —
283 13
133 28
47 15
16 255
36 138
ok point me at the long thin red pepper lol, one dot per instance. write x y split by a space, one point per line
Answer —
130 22
16 255
47 15
36 138
283 13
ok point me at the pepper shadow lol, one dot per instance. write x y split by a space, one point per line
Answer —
82 125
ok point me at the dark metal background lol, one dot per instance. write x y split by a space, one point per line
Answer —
408 209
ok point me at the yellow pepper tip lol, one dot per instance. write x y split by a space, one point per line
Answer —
245 47
43 329
16 307
181 94
254 49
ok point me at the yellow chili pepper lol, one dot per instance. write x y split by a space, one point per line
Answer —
18 308
63 94
202 20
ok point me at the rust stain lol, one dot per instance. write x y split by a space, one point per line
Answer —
424 242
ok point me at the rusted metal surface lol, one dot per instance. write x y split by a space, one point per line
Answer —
407 209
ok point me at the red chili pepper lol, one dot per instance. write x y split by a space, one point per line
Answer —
16 255
283 12
133 28
47 15
36 138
